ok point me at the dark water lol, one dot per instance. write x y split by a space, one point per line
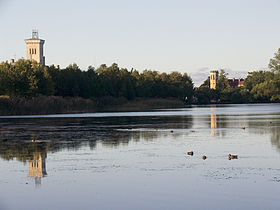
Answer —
131 160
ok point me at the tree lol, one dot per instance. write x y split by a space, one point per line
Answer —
206 83
26 78
222 83
274 63
264 86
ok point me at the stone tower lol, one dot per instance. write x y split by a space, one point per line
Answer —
34 48
213 79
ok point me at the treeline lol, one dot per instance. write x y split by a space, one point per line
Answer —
28 79
259 87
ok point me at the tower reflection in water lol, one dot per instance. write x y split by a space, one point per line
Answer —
213 124
37 167
213 120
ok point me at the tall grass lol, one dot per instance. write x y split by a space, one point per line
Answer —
10 105
44 105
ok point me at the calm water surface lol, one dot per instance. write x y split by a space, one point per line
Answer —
131 160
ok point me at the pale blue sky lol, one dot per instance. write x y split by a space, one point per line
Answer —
173 35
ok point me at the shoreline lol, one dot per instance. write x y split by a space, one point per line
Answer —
49 105
42 105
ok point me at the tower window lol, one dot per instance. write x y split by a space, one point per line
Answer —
29 51
35 51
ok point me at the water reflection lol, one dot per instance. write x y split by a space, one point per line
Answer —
266 126
30 140
275 137
213 124
217 123
37 167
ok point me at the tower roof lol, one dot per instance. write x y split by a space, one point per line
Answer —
35 35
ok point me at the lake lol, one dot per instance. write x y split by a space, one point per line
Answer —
138 160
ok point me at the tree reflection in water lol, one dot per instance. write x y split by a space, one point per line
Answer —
29 140
263 126
275 137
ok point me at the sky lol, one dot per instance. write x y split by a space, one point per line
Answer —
191 37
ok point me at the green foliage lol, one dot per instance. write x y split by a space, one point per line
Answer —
259 86
153 84
274 63
257 77
267 91
206 83
28 79
222 83
25 78
264 86
205 95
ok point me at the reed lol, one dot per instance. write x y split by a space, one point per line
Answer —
14 105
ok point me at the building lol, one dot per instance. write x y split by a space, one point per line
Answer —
214 75
235 82
34 48
214 79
